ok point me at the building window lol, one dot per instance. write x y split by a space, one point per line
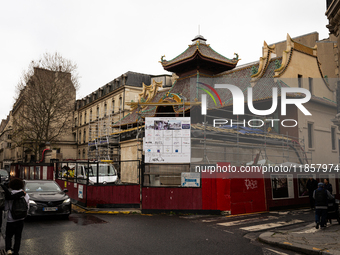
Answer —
76 122
91 115
333 137
84 138
79 154
105 109
300 80
79 138
9 136
9 145
80 120
97 112
310 135
84 154
120 103
85 117
310 82
113 106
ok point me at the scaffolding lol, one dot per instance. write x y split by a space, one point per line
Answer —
240 145
103 139
210 145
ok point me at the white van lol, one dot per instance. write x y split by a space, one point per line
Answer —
106 174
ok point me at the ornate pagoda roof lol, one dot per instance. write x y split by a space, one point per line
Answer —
199 56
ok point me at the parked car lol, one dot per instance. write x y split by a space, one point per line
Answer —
47 198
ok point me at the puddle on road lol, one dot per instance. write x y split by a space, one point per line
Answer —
85 219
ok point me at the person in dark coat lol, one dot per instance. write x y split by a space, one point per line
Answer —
328 186
312 185
14 226
321 196
8 196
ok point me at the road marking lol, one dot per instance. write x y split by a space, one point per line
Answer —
277 252
239 222
228 231
308 231
243 214
271 225
214 219
278 212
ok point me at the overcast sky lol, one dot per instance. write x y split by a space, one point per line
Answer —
109 38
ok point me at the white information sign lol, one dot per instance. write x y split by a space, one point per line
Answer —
80 191
190 179
167 140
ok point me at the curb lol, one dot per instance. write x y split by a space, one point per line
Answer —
282 243
79 209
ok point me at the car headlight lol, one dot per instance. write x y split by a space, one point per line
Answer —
32 202
66 201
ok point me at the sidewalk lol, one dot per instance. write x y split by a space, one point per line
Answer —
80 209
307 239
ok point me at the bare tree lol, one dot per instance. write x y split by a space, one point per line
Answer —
44 106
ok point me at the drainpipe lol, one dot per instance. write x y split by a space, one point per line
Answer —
123 106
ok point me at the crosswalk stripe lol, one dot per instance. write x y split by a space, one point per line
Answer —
239 222
279 212
214 219
277 252
271 225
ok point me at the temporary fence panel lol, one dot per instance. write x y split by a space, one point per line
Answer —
76 191
171 198
87 186
113 196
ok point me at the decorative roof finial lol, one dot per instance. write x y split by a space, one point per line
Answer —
199 38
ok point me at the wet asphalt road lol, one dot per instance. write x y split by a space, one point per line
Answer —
85 234
128 234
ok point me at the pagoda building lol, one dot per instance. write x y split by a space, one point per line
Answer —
199 57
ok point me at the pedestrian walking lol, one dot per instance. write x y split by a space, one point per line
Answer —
15 223
8 196
321 196
312 185
328 186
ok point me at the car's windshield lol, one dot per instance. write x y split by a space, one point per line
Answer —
104 170
42 186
